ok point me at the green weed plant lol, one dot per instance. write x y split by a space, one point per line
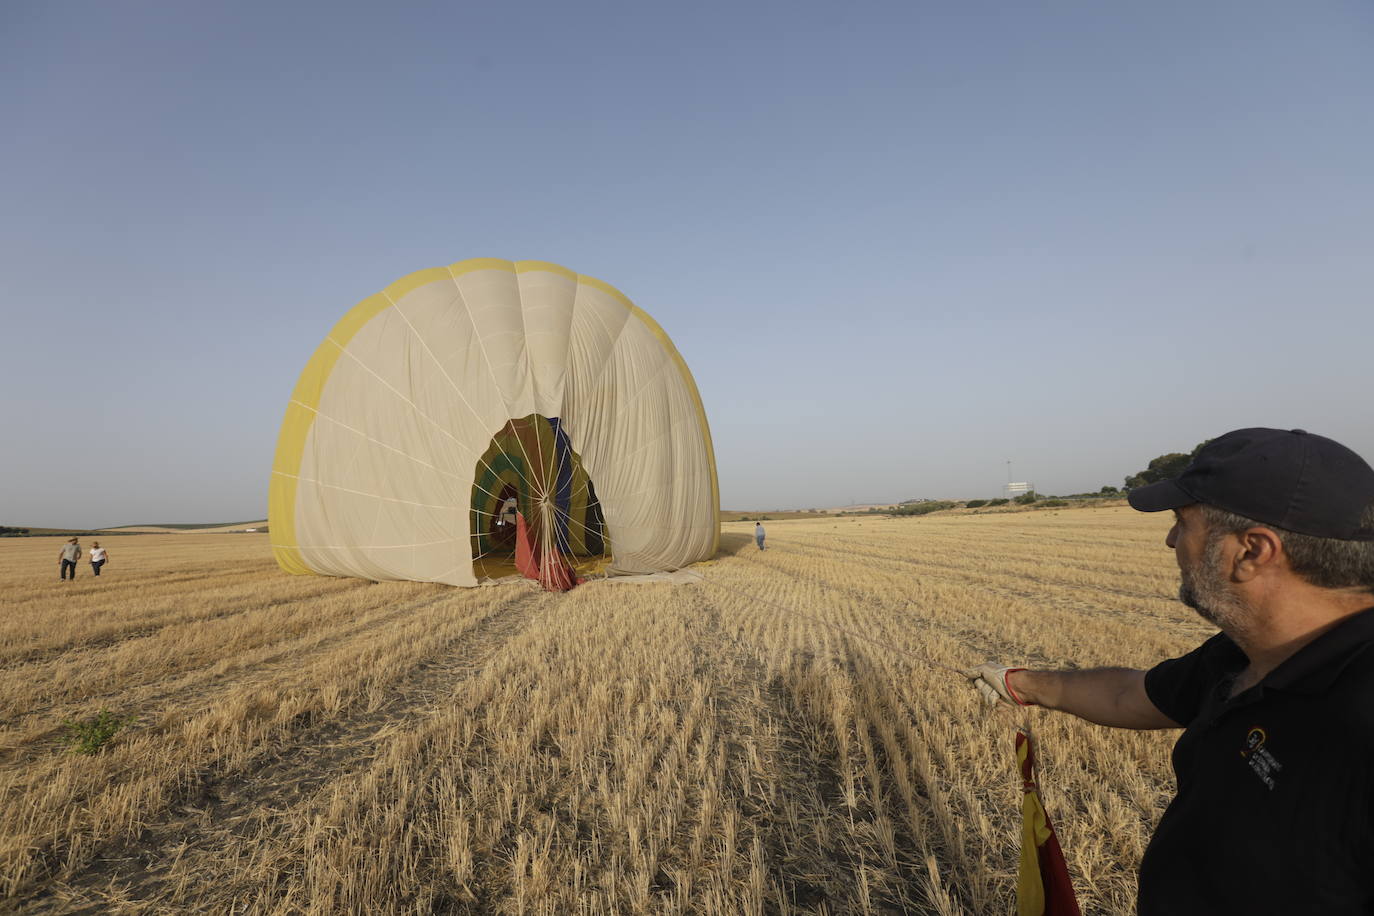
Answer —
88 736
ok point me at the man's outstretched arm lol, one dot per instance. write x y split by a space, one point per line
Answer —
1106 696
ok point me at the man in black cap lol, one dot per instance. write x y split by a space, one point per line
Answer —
1274 537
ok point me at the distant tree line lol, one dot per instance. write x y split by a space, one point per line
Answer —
7 531
1163 467
925 508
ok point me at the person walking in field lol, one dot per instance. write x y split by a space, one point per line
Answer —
99 557
1274 537
758 534
66 559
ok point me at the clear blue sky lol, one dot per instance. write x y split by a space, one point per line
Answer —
898 244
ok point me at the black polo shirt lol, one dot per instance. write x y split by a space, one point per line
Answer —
1275 804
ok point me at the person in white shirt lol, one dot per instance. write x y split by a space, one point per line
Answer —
99 557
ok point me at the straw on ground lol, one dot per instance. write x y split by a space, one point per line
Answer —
331 745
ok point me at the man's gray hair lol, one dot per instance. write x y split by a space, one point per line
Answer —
1325 562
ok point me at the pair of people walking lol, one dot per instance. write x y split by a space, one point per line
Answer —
71 553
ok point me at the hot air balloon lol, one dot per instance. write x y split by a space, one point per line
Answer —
491 418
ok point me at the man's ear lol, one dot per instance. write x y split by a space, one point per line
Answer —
1260 549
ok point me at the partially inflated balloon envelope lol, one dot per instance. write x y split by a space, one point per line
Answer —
488 418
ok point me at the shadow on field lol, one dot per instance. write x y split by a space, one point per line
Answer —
732 544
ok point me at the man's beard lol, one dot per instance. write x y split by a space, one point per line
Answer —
1203 588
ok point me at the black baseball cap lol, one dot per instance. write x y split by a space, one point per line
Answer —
1288 478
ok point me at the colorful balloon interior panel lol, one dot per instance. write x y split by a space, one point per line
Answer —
530 478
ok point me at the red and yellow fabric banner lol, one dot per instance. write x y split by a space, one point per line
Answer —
1042 883
541 561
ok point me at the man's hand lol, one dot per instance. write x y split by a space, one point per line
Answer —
990 679
1106 696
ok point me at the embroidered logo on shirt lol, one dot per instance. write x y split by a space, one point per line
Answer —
1259 758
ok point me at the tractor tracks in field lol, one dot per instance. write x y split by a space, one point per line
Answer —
852 818
921 626
218 810
984 643
96 642
963 571
809 833
988 581
194 679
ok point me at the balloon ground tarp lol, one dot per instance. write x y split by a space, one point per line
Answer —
494 418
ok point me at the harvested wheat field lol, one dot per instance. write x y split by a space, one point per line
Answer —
319 745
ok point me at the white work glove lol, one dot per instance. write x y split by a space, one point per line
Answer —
991 682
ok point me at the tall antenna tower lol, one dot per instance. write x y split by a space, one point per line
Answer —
1015 489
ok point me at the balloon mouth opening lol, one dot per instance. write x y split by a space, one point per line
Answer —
535 512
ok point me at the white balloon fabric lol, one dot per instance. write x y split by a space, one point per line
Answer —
464 401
